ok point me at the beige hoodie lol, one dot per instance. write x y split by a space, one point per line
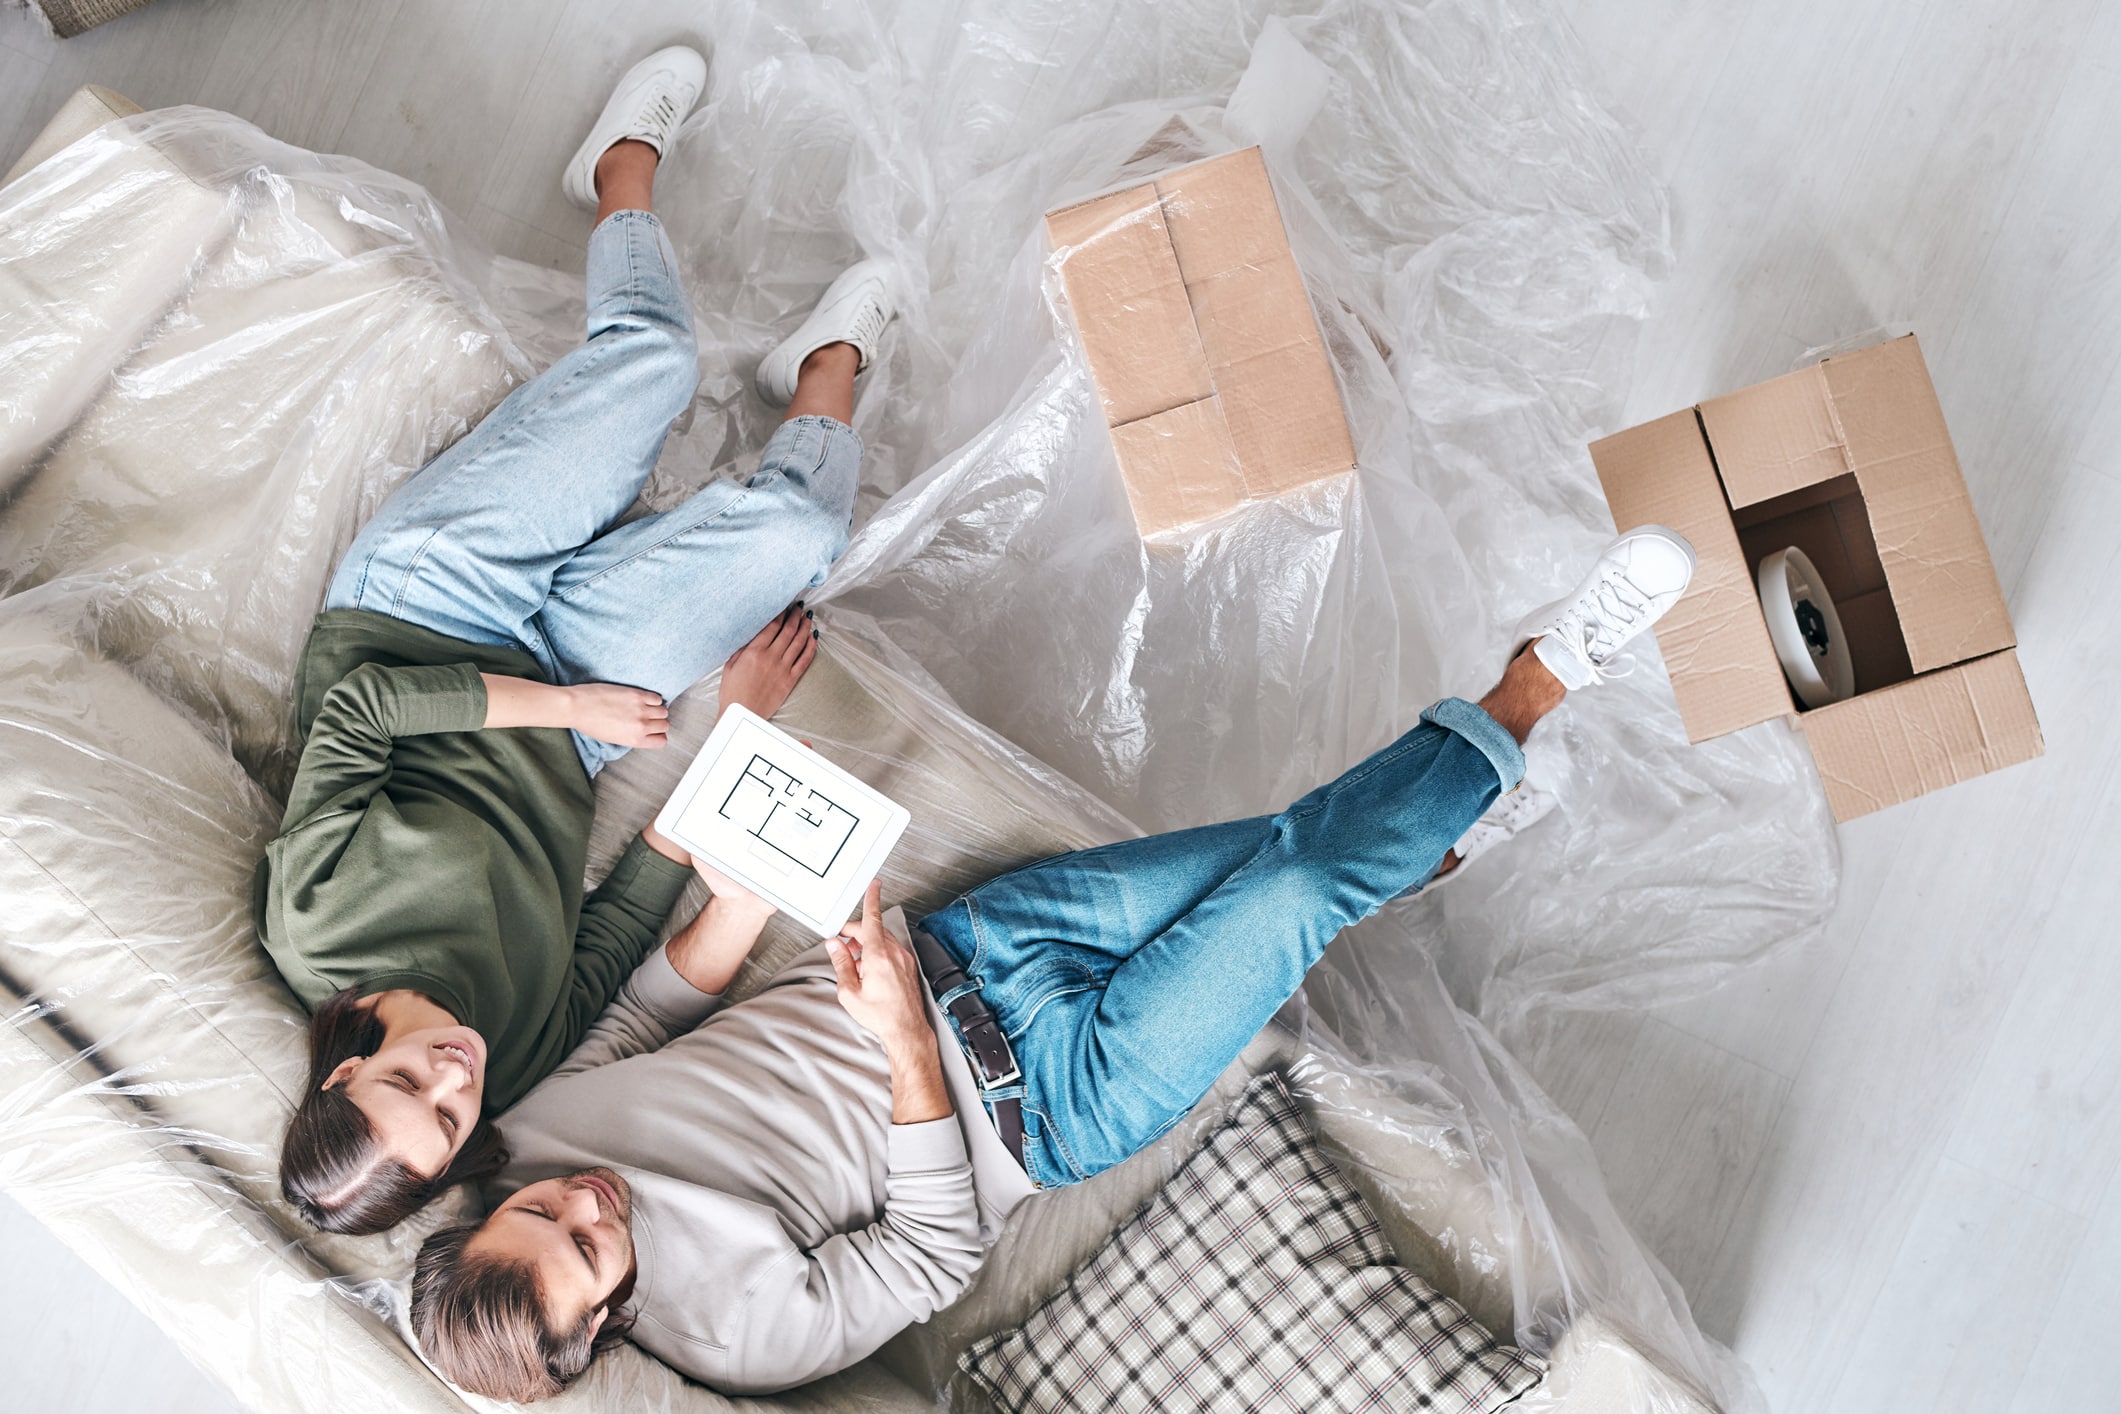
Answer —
783 1226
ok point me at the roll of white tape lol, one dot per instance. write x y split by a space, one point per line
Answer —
1805 630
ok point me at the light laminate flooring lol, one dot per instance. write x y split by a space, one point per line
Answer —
1882 1165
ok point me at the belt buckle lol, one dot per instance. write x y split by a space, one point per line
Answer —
1014 1074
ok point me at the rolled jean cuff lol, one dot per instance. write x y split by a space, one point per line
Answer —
627 214
830 426
1455 714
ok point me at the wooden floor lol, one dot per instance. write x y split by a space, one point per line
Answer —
1877 1152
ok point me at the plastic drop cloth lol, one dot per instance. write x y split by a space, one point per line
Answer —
218 354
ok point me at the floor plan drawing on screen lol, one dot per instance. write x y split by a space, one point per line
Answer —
794 823
775 816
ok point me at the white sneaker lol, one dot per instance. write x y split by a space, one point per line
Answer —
1639 576
651 99
854 310
1510 815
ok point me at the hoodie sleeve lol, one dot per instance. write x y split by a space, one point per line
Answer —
619 925
346 755
822 1310
656 1006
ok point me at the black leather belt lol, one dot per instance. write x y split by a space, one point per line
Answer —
980 1036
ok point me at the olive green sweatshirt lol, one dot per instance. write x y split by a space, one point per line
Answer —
419 851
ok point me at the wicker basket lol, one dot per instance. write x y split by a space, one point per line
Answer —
67 18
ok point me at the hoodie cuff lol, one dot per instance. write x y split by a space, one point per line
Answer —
662 991
932 1146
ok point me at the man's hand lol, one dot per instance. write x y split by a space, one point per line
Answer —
764 671
880 982
708 951
623 716
740 901
881 987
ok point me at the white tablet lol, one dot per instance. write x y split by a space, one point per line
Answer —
782 821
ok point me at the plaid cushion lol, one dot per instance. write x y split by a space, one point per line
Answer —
1257 1279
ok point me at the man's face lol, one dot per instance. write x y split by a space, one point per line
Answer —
421 1094
575 1232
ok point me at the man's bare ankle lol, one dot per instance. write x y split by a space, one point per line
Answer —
1527 692
1539 679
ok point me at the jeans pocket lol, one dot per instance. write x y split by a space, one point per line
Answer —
1044 1147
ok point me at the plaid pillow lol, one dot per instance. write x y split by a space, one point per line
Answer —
1257 1279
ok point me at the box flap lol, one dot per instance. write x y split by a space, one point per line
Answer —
1265 354
1181 466
1775 437
1714 640
1944 586
1195 320
1130 304
1223 216
1915 736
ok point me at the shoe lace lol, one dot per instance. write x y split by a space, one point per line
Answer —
867 328
1616 605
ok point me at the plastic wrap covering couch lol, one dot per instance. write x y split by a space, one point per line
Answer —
218 353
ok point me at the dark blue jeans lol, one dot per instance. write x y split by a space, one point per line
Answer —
1128 977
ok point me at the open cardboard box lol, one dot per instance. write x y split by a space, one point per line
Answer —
1200 337
1849 461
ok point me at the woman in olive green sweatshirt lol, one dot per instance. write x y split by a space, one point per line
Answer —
491 640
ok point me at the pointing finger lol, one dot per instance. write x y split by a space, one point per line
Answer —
843 966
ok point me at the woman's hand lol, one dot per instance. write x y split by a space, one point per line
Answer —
623 716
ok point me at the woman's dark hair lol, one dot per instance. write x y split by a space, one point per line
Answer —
482 1321
331 1168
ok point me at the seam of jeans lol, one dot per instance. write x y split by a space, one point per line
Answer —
1049 1134
633 284
412 569
1090 984
567 595
360 585
973 968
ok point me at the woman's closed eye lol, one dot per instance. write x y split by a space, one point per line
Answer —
449 1122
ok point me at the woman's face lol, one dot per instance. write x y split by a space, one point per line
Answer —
421 1092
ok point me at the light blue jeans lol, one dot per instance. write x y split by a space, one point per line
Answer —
1128 977
510 537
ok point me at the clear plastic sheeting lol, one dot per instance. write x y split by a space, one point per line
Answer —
218 354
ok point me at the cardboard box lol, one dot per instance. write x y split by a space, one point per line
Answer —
1849 461
1207 358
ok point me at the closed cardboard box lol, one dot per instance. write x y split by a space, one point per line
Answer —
1849 461
1200 338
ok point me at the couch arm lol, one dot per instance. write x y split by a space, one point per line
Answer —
89 108
83 281
1595 1369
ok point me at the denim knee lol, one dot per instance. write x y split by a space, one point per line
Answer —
669 357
